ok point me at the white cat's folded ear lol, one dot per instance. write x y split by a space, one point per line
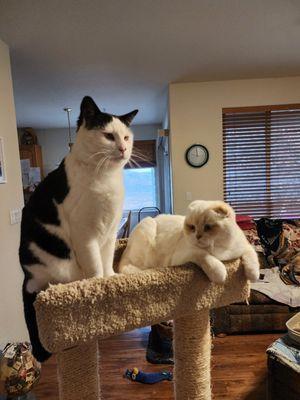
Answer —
223 210
200 205
219 208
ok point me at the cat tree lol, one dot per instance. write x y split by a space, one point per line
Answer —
73 317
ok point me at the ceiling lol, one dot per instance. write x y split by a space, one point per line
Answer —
125 52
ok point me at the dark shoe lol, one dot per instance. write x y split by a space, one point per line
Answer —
160 346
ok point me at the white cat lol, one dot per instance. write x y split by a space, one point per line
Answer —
69 226
207 236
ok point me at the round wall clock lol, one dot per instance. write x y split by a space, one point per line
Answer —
197 155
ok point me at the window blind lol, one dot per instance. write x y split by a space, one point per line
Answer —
261 155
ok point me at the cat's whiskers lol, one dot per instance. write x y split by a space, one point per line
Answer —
135 162
100 164
97 153
140 155
139 152
135 150
142 158
105 166
130 163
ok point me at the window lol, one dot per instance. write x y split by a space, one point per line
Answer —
140 188
140 176
261 152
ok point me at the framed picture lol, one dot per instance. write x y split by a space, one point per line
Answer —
2 164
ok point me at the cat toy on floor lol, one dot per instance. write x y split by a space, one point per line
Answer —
148 377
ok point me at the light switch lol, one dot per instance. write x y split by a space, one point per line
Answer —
15 216
189 196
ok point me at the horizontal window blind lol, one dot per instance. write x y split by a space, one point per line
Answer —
261 154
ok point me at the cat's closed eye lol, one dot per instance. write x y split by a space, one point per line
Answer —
207 227
109 136
126 138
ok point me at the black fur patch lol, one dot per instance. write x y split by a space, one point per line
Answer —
30 317
127 118
33 231
91 115
25 255
41 209
54 187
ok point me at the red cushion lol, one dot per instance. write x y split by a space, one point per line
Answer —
245 222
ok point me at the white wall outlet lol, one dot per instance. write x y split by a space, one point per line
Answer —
15 216
189 196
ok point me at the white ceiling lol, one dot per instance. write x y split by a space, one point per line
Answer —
125 52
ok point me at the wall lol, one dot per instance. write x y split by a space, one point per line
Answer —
54 142
196 117
12 325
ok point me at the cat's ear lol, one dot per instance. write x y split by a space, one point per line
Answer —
197 204
127 118
90 114
88 108
222 210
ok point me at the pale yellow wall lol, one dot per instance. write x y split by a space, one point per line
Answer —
196 117
12 326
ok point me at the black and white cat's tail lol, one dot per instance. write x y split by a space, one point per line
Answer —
30 317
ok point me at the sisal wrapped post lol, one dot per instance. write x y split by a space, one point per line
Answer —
192 347
78 372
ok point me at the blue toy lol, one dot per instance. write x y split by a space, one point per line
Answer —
148 377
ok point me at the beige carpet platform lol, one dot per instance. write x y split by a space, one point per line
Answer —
73 317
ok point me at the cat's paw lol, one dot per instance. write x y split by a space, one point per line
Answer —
32 286
129 269
214 269
109 273
251 266
252 272
218 275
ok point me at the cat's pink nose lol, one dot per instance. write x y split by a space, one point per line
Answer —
122 149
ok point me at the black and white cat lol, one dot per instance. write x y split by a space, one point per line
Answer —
70 223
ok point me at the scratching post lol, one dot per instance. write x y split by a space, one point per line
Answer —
73 317
78 372
192 348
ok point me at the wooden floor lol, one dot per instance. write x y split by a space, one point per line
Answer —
238 369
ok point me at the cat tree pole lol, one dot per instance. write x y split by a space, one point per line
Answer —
73 317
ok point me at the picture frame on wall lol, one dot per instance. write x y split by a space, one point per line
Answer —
2 163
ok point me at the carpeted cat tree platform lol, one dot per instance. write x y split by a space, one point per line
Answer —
73 317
